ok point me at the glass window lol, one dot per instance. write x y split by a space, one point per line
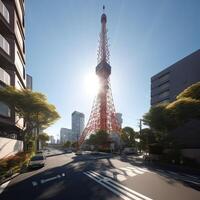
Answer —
4 44
164 94
4 110
4 11
164 77
164 86
4 76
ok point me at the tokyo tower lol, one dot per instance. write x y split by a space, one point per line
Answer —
103 115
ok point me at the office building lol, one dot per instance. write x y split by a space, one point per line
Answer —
12 60
78 120
167 84
29 82
119 118
52 139
65 135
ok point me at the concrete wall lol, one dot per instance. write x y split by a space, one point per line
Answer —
9 147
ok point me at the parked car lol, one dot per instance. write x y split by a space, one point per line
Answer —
78 153
129 150
37 161
39 153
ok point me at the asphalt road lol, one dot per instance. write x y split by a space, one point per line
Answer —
99 177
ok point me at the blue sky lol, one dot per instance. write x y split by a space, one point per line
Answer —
144 36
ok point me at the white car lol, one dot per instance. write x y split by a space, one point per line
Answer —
37 161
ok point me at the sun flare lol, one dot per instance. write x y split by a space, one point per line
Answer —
91 84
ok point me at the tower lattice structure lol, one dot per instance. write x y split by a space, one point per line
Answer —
103 115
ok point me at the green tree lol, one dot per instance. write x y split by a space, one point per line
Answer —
43 138
128 136
191 92
146 137
165 117
33 107
100 139
67 144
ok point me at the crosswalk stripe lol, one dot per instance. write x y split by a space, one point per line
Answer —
112 174
131 193
136 170
128 171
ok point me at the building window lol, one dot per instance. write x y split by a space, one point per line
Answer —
164 86
4 12
4 110
4 77
164 101
20 65
164 94
164 77
4 44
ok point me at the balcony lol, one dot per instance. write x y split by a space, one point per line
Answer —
4 44
4 12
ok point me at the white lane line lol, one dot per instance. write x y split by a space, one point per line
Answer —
190 176
106 186
50 179
178 177
34 183
190 181
3 186
127 191
172 173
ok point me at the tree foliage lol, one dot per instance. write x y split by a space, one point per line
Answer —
67 144
147 137
164 117
128 137
43 138
33 107
191 92
100 138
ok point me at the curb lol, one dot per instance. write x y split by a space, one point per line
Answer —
10 178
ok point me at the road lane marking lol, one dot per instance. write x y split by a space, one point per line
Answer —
34 183
126 188
106 186
3 186
50 179
112 174
137 171
179 177
118 189
190 176
128 172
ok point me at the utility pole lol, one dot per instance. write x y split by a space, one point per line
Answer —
140 126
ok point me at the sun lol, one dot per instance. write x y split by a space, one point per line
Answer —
91 84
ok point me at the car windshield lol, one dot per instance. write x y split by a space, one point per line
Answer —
35 158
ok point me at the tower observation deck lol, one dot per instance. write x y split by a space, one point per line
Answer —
103 115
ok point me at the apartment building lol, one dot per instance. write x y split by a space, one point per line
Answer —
12 60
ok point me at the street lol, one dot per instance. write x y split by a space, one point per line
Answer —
100 176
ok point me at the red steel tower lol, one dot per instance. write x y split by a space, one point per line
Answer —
103 115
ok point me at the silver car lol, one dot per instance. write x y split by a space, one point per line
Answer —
37 161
